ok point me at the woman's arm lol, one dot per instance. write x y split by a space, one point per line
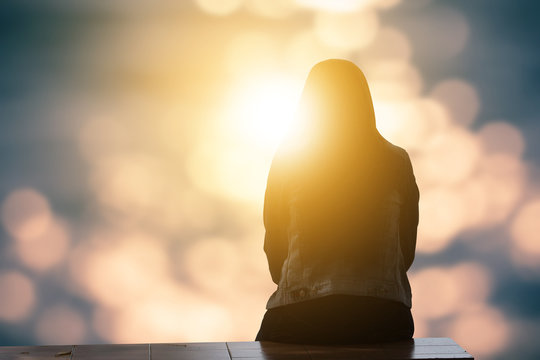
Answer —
275 216
409 214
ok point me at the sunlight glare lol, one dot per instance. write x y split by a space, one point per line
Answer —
305 49
265 109
251 53
271 9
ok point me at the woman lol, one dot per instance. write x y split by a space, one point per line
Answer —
341 213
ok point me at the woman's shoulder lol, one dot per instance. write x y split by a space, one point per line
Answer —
396 152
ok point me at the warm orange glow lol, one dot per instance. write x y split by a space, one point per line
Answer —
386 4
449 157
228 169
347 30
404 122
129 183
263 110
177 167
252 54
339 6
170 313
304 49
271 9
171 316
117 268
219 7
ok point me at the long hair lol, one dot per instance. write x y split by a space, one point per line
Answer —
336 172
335 122
336 103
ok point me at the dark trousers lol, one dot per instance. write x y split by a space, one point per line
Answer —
338 319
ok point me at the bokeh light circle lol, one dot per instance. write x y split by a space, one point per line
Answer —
46 250
482 331
389 44
59 325
502 137
460 98
26 213
212 264
17 296
524 229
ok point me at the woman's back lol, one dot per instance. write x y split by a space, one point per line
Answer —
347 231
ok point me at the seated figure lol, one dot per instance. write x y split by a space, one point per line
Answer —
341 216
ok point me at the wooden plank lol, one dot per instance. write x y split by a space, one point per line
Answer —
189 351
421 342
57 352
343 353
428 348
438 349
267 350
193 346
425 348
434 341
111 352
442 356
380 355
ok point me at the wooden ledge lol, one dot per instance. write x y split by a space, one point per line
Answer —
420 348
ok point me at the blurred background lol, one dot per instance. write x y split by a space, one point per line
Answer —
136 138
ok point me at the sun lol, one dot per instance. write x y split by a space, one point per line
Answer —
263 108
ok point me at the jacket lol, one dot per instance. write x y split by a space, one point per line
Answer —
347 225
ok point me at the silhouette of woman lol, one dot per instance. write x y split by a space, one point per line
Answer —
341 214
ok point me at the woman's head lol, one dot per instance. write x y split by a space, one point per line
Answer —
336 124
336 103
